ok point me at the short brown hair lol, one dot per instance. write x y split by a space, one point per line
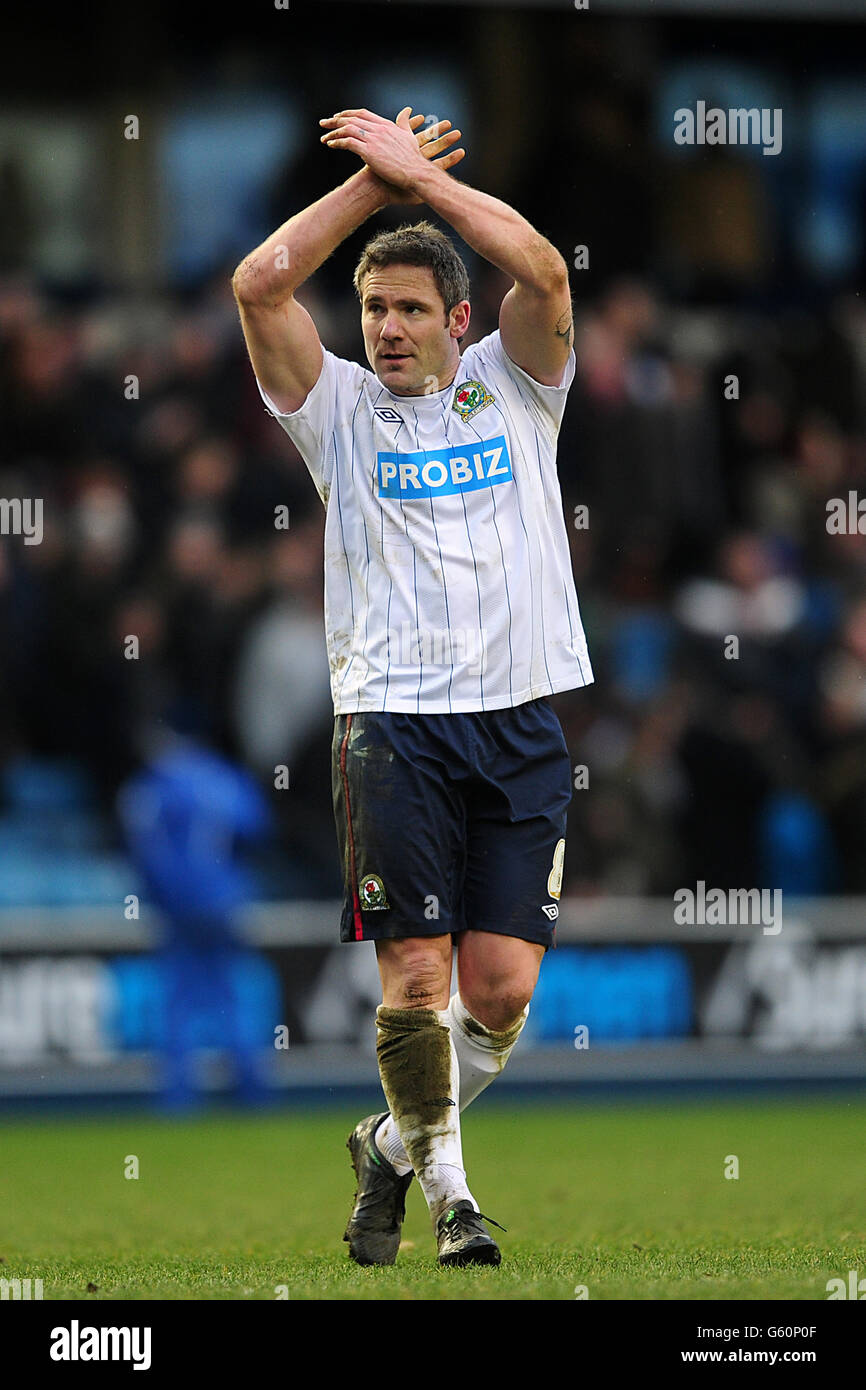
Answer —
417 243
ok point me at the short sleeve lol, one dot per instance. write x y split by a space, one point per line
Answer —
312 425
546 402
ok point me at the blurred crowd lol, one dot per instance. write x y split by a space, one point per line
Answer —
727 623
703 444
161 477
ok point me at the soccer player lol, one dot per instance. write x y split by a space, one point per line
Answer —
451 617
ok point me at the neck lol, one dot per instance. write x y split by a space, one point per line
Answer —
435 381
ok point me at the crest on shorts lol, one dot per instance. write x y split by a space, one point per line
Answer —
470 397
373 895
554 878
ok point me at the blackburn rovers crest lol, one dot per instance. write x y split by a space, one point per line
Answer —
470 397
373 895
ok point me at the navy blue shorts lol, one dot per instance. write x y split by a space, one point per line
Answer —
451 821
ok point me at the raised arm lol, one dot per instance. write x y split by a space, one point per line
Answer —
535 318
281 337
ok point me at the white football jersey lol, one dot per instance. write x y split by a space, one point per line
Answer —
448 583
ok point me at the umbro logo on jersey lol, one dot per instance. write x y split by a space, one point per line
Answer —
436 472
551 910
388 413
470 397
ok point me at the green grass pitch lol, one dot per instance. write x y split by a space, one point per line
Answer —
629 1201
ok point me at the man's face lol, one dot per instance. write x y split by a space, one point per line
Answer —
411 343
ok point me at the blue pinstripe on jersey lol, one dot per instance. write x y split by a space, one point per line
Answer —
564 587
504 579
336 483
477 585
514 436
445 409
340 514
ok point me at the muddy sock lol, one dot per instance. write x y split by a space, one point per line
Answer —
421 1080
481 1054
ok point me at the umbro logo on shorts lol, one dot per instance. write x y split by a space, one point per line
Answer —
551 910
436 472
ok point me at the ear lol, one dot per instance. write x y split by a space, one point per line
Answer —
458 319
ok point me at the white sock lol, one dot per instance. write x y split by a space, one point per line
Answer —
443 1181
390 1146
481 1054
443 1177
